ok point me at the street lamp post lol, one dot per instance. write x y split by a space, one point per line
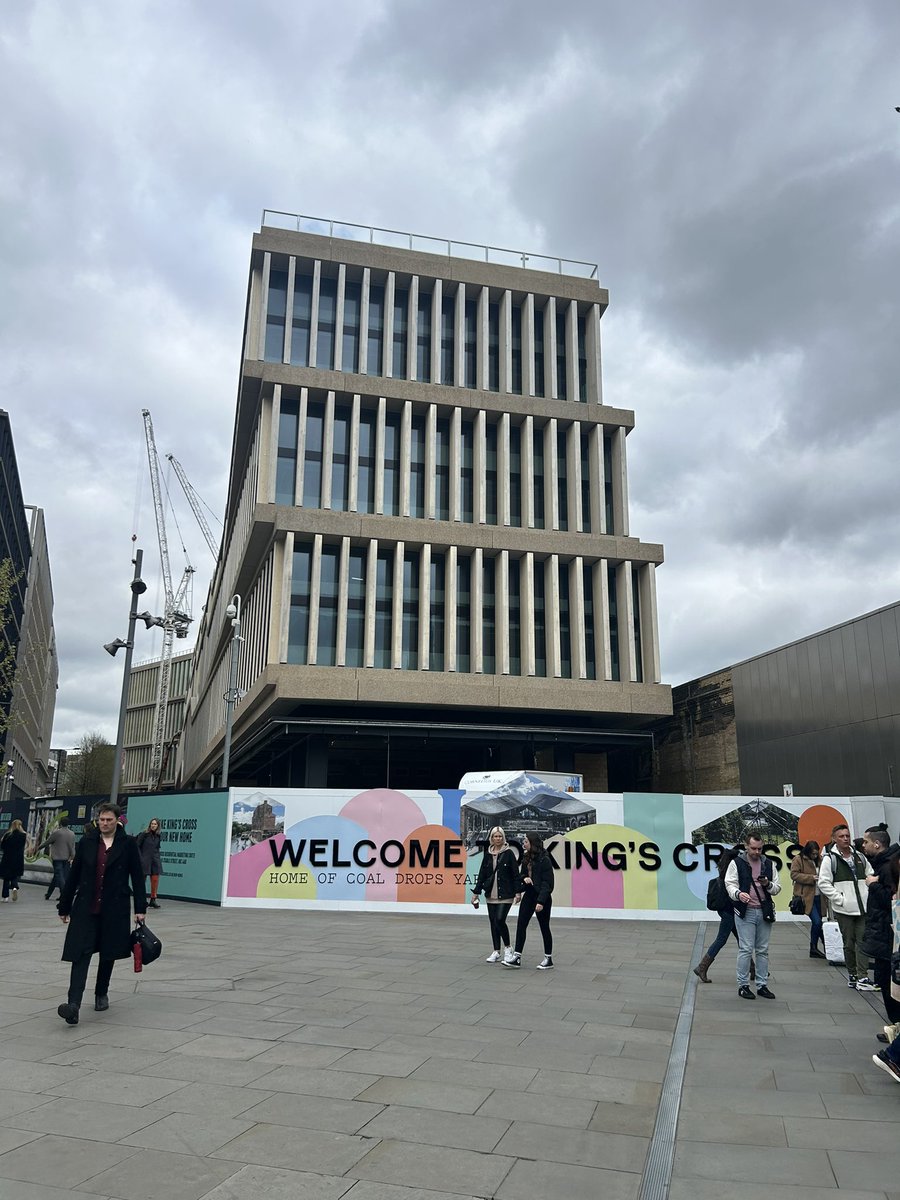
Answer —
8 781
138 587
233 611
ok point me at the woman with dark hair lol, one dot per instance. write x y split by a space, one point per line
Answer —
888 1060
148 846
535 899
726 919
805 874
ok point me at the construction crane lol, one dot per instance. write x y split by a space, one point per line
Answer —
176 620
196 505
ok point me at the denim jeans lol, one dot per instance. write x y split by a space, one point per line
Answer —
815 917
726 929
753 939
61 868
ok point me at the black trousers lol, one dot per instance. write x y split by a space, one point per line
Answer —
79 973
497 914
882 975
526 912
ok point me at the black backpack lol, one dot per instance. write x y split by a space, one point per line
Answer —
717 897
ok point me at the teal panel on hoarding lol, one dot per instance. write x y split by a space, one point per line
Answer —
192 847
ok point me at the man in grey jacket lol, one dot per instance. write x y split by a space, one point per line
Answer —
843 881
62 850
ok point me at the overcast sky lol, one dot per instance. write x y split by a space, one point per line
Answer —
732 168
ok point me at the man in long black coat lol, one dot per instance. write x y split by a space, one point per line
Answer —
96 905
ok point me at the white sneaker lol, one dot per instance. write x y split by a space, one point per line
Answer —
891 1032
546 963
495 957
866 985
512 959
15 894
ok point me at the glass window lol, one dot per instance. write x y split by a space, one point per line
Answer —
300 319
489 617
515 476
607 482
490 474
350 343
538 351
340 462
384 593
375 349
517 349
275 310
585 481
448 327
356 607
326 324
411 610
562 486
582 357
436 615
537 454
365 471
286 470
401 332
442 470
392 464
636 609
312 466
540 620
515 617
328 602
590 648
613 620
298 628
467 471
463 614
561 382
494 347
471 343
423 337
417 467
565 629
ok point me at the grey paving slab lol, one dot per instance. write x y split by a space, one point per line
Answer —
586 1148
42 1191
461 1172
275 1183
856 1108
611 1116
876 1134
234 1072
314 1112
107 1123
749 1129
429 1047
154 1175
114 1088
20 1102
366 1189
478 1074
434 1128
860 1169
317 1081
568 1112
380 1062
595 1087
11 1138
188 1133
207 1099
698 1099
317 1151
558 1181
737 1164
53 1160
706 1189
419 1093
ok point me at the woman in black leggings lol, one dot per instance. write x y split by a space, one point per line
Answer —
498 878
536 894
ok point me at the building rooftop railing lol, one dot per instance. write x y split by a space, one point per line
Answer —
300 223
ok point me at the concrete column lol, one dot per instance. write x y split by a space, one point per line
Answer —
315 591
455 462
479 468
289 309
387 343
430 459
425 607
353 465
459 347
437 304
601 619
528 345
339 320
527 456
502 589
551 477
405 437
506 342
397 608
314 313
278 647
412 327
328 450
371 570
379 454
551 624
649 623
592 351
576 618
364 321
476 599
573 476
526 588
550 384
481 341
572 369
450 585
255 305
270 419
597 481
504 486
625 610
264 305
620 484
340 657
301 446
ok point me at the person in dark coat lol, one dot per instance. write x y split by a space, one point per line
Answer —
96 905
498 878
12 859
536 897
726 919
878 938
151 864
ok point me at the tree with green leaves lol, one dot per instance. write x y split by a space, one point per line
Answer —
89 767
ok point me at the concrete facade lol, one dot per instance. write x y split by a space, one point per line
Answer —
427 524
139 723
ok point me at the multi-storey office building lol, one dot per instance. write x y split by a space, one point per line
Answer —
427 523
140 724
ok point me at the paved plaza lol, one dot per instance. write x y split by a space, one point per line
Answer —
285 1055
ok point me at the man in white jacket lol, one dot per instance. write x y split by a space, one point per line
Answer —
843 881
751 881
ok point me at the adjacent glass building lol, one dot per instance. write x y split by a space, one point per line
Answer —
427 523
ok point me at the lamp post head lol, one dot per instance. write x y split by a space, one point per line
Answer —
114 647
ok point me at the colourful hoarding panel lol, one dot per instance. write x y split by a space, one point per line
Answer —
192 841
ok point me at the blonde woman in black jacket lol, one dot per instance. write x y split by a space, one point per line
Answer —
498 878
536 896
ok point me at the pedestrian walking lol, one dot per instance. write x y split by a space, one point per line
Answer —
61 844
535 897
878 937
726 918
12 860
96 905
805 876
752 881
843 876
151 864
498 879
888 1059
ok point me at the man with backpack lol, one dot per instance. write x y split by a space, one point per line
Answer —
843 881
751 881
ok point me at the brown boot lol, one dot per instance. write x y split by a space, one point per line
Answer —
702 967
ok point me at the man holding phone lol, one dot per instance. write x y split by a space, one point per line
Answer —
751 881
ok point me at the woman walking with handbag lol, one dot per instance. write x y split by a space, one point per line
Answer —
805 875
726 919
536 894
497 878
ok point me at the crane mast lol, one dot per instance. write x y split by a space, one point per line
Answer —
175 619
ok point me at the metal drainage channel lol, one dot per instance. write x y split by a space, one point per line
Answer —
661 1157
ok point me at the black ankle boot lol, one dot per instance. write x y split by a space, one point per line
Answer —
69 1013
101 1003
